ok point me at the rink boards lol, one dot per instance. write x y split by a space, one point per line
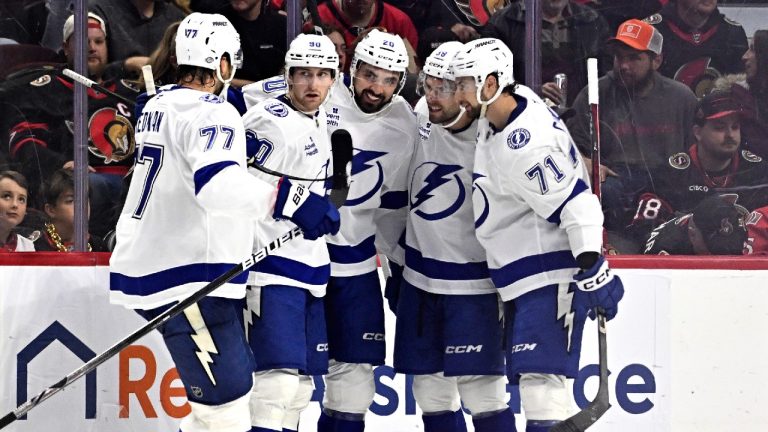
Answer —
686 352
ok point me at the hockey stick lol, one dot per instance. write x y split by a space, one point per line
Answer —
342 144
69 73
585 418
149 80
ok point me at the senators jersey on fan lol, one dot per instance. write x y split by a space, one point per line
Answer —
442 253
38 121
684 183
534 211
283 139
696 57
757 232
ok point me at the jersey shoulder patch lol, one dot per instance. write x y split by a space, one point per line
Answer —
654 19
750 157
518 138
277 108
680 161
131 85
211 98
731 22
41 81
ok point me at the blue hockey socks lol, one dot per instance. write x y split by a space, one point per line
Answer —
261 429
501 422
447 422
539 425
328 423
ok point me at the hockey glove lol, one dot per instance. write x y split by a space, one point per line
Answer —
392 286
314 214
598 287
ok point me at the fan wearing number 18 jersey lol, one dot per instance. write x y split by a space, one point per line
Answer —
188 219
541 228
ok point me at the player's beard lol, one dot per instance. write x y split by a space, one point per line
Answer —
445 115
368 107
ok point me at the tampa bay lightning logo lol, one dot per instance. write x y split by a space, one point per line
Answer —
211 98
427 178
484 203
361 162
518 138
277 109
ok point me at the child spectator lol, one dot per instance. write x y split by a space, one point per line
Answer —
60 208
13 208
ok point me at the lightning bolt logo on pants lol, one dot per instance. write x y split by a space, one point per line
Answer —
202 338
252 306
564 303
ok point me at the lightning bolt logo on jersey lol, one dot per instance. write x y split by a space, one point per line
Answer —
362 161
441 175
426 179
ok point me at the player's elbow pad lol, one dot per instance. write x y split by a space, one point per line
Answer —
582 219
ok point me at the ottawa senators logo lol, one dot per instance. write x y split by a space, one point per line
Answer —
750 157
478 12
110 135
698 75
680 161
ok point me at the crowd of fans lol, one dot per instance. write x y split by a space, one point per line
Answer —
683 93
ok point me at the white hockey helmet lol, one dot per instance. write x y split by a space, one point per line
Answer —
438 64
384 50
480 58
203 39
310 50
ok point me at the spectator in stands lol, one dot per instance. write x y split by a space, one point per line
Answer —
570 34
13 208
644 119
755 87
426 14
135 27
715 227
354 16
700 43
262 32
716 163
39 128
163 58
616 12
336 35
60 208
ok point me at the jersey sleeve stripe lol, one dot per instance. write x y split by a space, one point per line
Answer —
206 173
578 188
394 200
154 283
352 254
294 270
437 269
532 265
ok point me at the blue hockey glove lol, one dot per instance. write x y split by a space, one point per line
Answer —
314 214
141 100
392 286
598 287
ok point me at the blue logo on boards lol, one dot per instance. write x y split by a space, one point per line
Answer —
518 138
277 109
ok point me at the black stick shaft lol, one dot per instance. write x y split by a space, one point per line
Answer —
69 73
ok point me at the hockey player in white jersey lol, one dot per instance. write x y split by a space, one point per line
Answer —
188 218
383 129
284 313
541 228
449 323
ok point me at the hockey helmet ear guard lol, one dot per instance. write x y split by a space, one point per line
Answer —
203 39
483 57
383 50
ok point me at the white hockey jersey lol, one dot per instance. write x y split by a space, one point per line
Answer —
375 207
290 142
442 254
188 216
534 211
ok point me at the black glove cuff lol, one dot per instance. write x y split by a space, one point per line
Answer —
586 260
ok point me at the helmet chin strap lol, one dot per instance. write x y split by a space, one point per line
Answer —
461 113
223 93
484 104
